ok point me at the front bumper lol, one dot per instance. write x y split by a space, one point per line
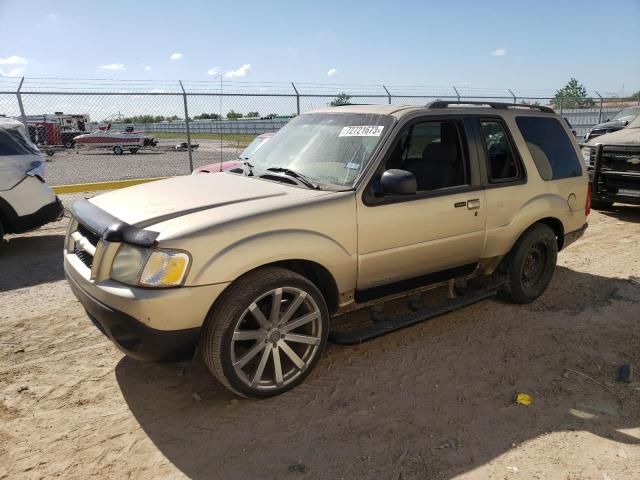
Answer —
48 213
133 337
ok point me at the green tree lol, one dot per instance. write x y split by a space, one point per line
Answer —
207 116
572 95
636 96
341 99
232 115
253 115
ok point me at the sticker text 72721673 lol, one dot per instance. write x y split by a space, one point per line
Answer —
362 131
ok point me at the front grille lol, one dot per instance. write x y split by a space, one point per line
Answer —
621 159
84 257
93 238
85 243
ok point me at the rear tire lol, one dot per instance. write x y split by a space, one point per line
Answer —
530 264
118 150
1 233
259 348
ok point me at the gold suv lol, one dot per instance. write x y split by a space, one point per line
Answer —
342 207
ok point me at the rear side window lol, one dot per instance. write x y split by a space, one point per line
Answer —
550 147
503 166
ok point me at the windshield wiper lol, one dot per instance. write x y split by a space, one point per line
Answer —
298 176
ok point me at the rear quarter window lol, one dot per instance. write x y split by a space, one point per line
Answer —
550 147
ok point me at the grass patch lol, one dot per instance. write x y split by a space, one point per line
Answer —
242 139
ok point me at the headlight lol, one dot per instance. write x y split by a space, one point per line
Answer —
165 268
149 268
586 156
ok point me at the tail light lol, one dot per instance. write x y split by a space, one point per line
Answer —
587 206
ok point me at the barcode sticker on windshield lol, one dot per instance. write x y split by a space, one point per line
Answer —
362 131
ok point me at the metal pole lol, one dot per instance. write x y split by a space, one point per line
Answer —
561 104
600 113
186 120
297 98
20 105
512 94
457 94
388 94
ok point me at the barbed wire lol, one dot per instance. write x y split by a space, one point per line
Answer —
218 84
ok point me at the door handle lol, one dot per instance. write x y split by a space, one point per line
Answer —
473 204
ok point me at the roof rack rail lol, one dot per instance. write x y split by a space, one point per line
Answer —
501 105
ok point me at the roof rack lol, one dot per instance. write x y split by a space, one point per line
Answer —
500 105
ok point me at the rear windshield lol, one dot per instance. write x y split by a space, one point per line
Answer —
13 143
550 146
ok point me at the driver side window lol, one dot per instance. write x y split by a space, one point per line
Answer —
433 152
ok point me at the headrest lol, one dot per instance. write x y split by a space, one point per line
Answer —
446 153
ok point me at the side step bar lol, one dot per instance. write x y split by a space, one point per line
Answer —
384 324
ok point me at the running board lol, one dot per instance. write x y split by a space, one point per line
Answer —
384 323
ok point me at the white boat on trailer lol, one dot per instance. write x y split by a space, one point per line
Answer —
104 137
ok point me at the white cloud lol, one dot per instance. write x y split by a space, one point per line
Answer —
332 72
157 90
54 17
499 52
240 72
114 67
147 68
214 72
13 60
175 56
14 72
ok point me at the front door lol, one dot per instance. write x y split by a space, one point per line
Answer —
440 227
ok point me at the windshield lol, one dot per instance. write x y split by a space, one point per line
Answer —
627 114
327 148
13 142
253 147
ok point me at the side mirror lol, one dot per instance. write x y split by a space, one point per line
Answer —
398 182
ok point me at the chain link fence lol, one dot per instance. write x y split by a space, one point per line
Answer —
172 127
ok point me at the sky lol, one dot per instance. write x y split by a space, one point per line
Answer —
480 44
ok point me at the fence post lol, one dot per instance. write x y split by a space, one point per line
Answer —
561 103
186 121
388 94
600 113
20 105
297 98
456 90
512 94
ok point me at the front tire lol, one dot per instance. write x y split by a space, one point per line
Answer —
266 333
530 265
118 150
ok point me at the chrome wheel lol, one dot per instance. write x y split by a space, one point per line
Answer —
276 338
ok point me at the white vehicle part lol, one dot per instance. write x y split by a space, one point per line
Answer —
28 196
19 157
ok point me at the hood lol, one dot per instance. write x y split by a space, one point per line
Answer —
609 124
626 135
156 202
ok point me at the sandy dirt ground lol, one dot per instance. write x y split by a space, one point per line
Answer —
433 401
